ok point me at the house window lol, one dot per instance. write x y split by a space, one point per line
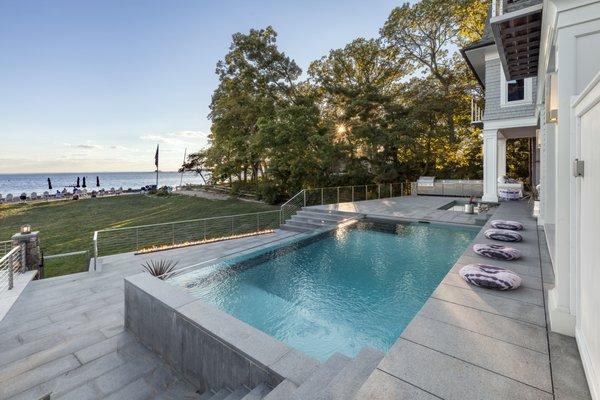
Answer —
515 92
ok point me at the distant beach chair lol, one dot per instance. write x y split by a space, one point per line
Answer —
111 191
1 198
120 190
9 198
46 195
33 196
23 196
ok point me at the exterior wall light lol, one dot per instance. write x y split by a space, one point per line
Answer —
26 229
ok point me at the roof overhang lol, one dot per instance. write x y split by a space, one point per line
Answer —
474 55
518 37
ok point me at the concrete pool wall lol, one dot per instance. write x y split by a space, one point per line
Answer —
211 348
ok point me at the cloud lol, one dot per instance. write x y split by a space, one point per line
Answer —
180 138
191 134
89 146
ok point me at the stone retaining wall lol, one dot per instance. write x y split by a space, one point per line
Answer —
210 347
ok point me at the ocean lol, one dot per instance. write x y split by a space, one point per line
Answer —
27 183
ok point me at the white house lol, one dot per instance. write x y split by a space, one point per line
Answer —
539 62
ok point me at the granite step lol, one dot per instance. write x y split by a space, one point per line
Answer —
295 229
238 393
310 225
314 385
316 219
346 384
321 214
221 394
258 393
283 391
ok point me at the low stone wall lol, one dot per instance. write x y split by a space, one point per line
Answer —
210 347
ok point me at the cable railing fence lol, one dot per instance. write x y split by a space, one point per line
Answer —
11 263
161 236
5 247
153 237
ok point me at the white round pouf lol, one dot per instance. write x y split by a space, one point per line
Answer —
491 277
504 235
510 225
497 251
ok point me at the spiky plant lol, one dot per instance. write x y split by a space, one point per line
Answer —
161 269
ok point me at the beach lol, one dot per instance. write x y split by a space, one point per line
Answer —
38 182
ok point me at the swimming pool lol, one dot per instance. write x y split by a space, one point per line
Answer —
339 291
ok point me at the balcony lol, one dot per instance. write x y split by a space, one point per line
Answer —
517 25
476 114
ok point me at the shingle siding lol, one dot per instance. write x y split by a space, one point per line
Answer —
493 110
518 5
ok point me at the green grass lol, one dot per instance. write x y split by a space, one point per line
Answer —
68 226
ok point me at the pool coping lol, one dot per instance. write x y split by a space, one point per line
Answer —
474 342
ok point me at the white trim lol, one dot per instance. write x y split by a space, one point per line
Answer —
591 86
528 92
492 54
593 379
511 123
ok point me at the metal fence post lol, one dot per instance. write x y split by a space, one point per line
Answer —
173 232
257 222
378 191
231 226
322 202
366 193
23 257
304 192
391 191
353 194
11 272
338 195
137 239
95 249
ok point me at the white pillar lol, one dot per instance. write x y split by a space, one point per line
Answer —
501 155
490 165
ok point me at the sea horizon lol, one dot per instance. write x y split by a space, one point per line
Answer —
24 182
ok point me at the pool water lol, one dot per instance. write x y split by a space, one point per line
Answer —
354 287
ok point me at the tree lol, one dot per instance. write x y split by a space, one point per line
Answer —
427 33
254 78
360 86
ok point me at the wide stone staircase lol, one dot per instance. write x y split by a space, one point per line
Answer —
339 378
310 219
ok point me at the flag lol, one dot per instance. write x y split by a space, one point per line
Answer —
156 157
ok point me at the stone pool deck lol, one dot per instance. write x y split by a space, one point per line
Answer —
65 335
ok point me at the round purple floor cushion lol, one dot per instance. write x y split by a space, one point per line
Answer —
490 277
497 251
503 235
510 225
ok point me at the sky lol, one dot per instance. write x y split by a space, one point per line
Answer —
95 85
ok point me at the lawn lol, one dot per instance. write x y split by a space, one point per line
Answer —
68 226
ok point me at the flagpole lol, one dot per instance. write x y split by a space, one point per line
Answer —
181 179
156 163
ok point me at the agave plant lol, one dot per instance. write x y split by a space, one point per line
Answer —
162 269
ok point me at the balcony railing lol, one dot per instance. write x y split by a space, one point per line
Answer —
476 113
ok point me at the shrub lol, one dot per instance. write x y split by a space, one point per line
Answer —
161 269
270 194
